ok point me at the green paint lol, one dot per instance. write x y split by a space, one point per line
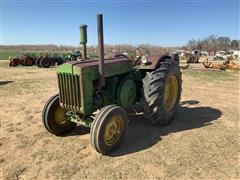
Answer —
73 117
127 93
81 91
83 34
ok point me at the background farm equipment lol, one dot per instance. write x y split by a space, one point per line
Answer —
97 93
42 60
227 64
225 55
47 61
194 57
73 56
25 60
221 55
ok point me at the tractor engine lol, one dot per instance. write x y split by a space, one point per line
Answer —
80 89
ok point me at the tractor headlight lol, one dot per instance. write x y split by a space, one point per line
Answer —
144 59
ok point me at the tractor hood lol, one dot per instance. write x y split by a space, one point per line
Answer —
68 68
76 81
112 66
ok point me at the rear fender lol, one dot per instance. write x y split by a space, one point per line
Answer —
154 62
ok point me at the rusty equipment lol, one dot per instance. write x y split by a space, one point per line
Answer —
41 61
25 60
98 93
47 61
227 64
194 57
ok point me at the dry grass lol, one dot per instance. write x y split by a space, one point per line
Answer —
201 142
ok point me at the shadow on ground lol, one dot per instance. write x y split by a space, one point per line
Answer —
78 130
140 136
5 82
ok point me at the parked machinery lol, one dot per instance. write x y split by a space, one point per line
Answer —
46 61
25 60
43 60
73 56
194 57
227 64
96 93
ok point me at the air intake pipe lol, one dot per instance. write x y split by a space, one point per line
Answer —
83 40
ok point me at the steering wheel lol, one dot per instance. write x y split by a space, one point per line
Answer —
141 55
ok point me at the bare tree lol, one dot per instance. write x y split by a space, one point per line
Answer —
223 43
235 44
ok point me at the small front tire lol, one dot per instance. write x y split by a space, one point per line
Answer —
53 117
108 129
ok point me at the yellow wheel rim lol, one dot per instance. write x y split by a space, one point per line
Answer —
171 92
113 130
60 117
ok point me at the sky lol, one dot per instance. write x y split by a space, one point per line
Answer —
156 22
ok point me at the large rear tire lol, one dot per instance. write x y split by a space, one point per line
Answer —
162 92
53 117
108 129
60 61
45 62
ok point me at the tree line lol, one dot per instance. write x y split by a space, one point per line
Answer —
213 44
210 44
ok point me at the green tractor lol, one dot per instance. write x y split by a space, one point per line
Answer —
73 56
98 93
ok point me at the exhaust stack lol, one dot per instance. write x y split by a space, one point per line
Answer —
101 49
83 40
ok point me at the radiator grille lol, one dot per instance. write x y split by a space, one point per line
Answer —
69 91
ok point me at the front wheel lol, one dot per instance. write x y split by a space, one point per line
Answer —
108 128
38 62
53 117
162 92
74 58
28 62
13 63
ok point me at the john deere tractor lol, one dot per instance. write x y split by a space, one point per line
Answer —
98 93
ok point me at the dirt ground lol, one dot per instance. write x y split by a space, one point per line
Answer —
201 142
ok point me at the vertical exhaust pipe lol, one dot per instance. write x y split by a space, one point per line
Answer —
83 40
101 49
